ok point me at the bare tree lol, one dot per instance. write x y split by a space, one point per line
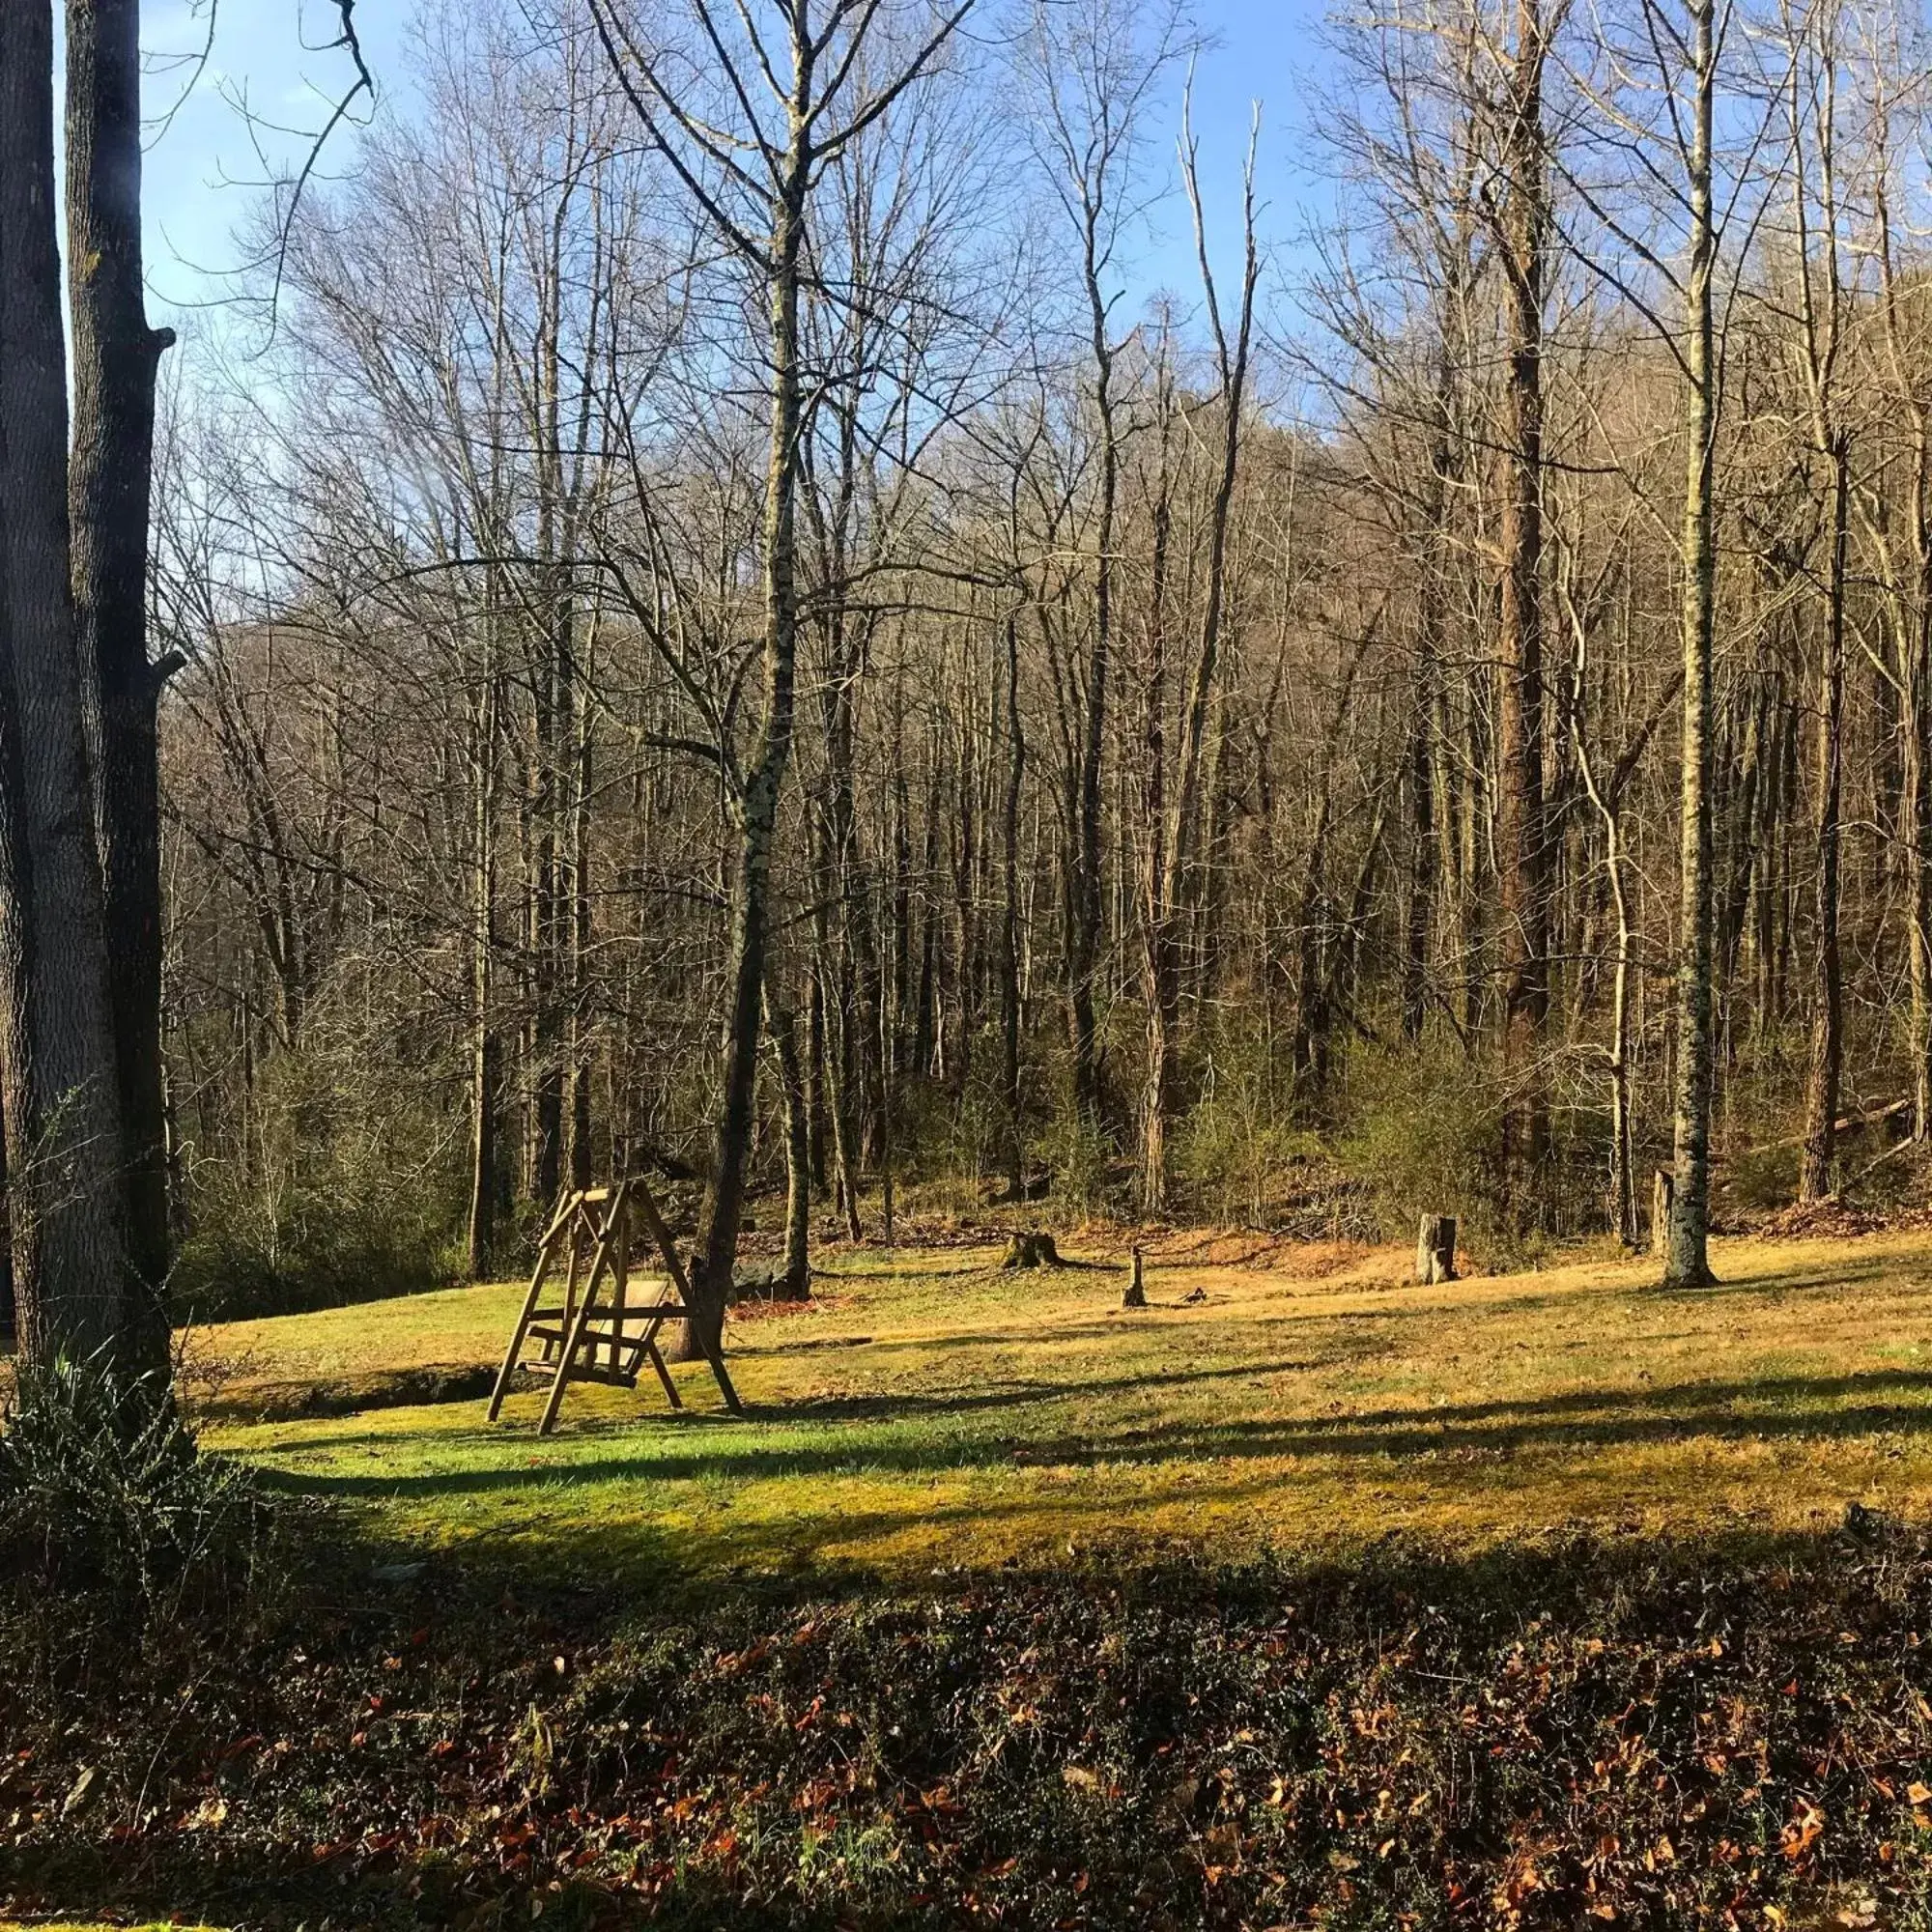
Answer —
1092 72
798 100
1176 844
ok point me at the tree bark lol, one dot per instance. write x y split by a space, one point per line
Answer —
1159 966
1009 934
1087 894
1521 833
486 1052
59 1072
1436 1250
758 807
1688 1263
798 1150
1172 871
1821 1092
115 355
1420 887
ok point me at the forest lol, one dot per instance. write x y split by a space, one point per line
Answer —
1225 750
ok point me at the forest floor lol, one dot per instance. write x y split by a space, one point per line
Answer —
930 1411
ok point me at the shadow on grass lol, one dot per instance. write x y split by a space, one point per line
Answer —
882 1435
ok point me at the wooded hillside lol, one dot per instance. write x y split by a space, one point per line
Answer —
1232 757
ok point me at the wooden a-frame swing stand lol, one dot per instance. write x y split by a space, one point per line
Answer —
596 1333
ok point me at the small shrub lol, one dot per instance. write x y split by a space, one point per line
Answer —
1082 1159
314 1249
1428 1138
102 1489
1235 1148
1763 1178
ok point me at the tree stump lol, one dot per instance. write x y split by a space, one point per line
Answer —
1136 1294
1662 1193
1031 1251
769 1283
1436 1250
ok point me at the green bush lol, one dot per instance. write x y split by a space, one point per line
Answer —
312 1248
1762 1178
1427 1137
1235 1148
103 1490
1082 1159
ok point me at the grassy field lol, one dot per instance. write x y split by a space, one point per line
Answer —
775 1671
933 1413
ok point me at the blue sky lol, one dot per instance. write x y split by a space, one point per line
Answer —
270 70
274 56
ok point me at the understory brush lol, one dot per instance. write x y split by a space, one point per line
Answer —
336 1195
1631 1734
122 1543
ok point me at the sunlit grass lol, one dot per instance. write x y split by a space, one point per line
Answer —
938 1413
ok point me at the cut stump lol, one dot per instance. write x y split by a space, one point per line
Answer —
1031 1251
1436 1250
1136 1294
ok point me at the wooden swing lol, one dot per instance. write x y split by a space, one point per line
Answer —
593 1336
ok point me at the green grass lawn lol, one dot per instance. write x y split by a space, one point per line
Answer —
934 1413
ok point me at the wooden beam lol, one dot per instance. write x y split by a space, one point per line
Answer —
516 1348
574 1340
661 1233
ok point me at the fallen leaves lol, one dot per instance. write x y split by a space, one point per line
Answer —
963 1747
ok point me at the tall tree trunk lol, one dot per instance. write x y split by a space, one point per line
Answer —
1688 1263
486 1051
758 805
1821 1092
59 1072
1160 942
1521 833
115 359
1009 930
582 1073
816 1077
1915 654
1910 609
1420 886
798 1150
1623 1175
1087 897
548 924
844 1116
1174 849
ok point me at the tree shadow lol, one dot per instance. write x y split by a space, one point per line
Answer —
863 1438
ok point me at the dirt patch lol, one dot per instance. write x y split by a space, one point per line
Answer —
749 1313
1264 1252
